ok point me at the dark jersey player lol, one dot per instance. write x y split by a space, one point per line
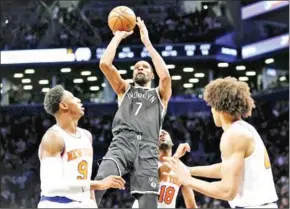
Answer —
136 126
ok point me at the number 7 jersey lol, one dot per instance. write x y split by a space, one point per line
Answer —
140 110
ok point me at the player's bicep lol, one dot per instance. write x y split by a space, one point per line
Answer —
165 90
232 169
52 144
116 81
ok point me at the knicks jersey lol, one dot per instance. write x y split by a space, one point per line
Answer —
257 185
140 110
77 161
167 195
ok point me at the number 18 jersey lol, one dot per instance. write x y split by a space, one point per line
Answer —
140 110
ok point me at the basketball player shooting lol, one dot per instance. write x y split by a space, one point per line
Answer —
66 156
245 174
169 187
137 123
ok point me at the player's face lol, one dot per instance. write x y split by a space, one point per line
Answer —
142 73
72 104
165 145
216 117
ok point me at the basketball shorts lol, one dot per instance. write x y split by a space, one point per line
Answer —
138 156
63 202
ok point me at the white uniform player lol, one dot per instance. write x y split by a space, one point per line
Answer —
75 163
66 157
257 185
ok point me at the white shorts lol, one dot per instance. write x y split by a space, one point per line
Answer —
84 204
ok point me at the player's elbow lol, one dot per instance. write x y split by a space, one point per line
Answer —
104 65
165 78
230 194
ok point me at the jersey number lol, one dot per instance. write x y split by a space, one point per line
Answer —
83 170
166 194
266 159
139 107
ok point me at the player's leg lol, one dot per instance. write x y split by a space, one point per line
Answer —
115 162
144 179
147 200
108 167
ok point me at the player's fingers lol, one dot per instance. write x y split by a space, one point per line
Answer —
118 184
119 178
138 19
168 165
168 159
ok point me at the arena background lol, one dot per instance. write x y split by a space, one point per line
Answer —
44 43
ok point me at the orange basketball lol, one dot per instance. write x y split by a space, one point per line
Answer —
122 18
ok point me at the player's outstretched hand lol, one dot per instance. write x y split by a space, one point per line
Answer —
178 171
143 32
122 34
181 150
116 182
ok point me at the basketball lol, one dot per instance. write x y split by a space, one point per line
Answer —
122 18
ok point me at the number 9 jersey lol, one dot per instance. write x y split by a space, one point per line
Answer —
77 161
140 110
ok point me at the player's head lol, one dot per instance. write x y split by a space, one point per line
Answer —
58 101
165 144
228 98
143 73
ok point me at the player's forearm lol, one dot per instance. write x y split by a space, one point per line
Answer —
110 52
215 189
210 171
159 64
188 197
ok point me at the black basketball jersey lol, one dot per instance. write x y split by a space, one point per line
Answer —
141 111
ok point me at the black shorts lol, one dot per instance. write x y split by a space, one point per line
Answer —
137 156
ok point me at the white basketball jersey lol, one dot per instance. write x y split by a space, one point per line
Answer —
77 160
167 195
257 184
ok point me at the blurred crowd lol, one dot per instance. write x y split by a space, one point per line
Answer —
21 132
71 27
38 25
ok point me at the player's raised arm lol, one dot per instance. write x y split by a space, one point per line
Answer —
106 63
159 64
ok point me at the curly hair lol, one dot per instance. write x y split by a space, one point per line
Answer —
52 99
231 96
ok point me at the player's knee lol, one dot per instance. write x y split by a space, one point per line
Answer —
107 168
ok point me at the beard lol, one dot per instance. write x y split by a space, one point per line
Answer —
141 79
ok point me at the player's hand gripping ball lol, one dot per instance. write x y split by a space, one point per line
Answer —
122 18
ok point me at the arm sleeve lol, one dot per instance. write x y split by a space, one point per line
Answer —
52 180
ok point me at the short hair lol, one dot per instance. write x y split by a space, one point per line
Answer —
230 95
52 99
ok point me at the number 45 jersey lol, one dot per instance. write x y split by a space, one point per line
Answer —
140 110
